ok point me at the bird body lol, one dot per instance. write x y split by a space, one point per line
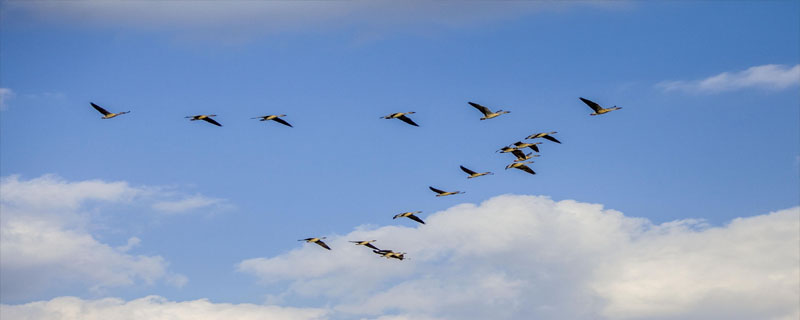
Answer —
523 145
106 114
317 241
522 166
545 135
273 117
507 149
206 118
390 254
521 156
442 193
409 215
473 174
366 243
402 116
598 110
487 113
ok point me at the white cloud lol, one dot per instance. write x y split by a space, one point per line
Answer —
151 307
769 76
187 204
516 257
46 244
5 94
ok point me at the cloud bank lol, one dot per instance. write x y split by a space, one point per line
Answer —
151 307
769 76
515 257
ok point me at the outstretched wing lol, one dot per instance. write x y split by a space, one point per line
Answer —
212 121
436 190
283 122
519 154
407 120
99 108
369 245
322 244
480 108
468 171
596 107
526 169
548 137
415 218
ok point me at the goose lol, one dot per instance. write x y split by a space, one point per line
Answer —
106 114
473 174
317 241
276 118
409 215
546 135
487 114
597 108
390 254
521 166
522 156
402 116
523 145
206 118
442 193
507 149
366 243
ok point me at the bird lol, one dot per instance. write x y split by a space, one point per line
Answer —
390 254
402 116
487 114
106 114
206 118
442 193
546 135
317 241
276 118
409 215
473 174
521 166
507 149
523 145
366 243
522 156
597 108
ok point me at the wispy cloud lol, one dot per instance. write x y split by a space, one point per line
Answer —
517 257
152 307
190 203
770 76
5 94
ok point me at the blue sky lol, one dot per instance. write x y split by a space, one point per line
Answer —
708 132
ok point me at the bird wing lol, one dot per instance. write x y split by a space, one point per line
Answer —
480 108
437 190
99 108
526 169
281 121
408 120
519 154
596 107
548 137
534 147
415 218
468 171
369 245
212 121
322 244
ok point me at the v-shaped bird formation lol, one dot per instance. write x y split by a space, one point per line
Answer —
516 149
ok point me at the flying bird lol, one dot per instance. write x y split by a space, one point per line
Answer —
521 166
317 241
545 135
473 174
487 114
106 114
507 149
597 108
366 244
523 145
276 118
402 116
206 118
390 254
409 215
442 193
521 156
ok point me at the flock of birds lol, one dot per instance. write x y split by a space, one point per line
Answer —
515 149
